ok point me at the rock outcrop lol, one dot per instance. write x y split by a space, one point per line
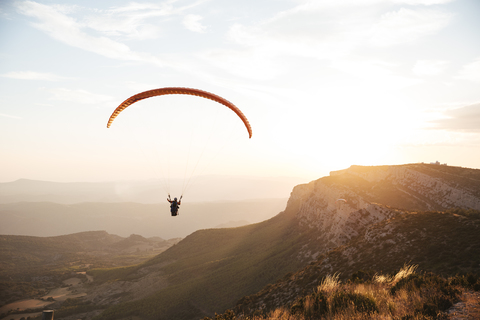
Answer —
335 209
366 217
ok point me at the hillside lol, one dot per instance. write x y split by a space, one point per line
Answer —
210 269
445 243
204 268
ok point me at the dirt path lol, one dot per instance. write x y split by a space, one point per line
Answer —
24 304
467 309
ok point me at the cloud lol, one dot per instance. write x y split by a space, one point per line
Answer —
429 67
78 96
58 25
9 116
407 26
246 63
422 2
303 31
465 119
328 30
362 3
130 21
332 32
31 75
377 74
470 71
192 23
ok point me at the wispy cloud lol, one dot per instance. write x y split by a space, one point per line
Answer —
78 96
326 31
192 23
360 3
470 71
9 116
57 24
130 21
407 26
422 2
31 75
331 31
429 67
466 119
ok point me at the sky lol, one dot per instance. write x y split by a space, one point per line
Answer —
324 84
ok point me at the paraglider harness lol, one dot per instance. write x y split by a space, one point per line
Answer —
174 205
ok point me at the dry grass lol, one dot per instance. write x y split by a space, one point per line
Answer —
405 295
329 283
392 280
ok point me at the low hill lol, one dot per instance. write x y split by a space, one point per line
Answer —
210 269
24 256
31 266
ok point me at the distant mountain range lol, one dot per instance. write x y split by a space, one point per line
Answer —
375 218
124 218
201 189
42 208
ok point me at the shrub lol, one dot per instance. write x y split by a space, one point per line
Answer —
329 283
362 303
362 276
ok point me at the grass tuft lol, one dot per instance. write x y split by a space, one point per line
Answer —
329 283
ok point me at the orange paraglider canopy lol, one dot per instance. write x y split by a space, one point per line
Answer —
179 90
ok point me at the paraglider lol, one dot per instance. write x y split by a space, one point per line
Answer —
179 90
175 203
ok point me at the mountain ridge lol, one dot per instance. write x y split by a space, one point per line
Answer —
50 219
202 189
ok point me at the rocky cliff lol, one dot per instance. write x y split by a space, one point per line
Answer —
335 209
380 218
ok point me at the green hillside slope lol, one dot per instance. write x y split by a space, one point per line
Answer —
212 269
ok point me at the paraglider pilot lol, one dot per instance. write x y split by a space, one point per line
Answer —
174 205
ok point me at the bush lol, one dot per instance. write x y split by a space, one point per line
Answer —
362 303
362 276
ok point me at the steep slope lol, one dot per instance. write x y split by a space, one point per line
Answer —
372 194
444 243
210 269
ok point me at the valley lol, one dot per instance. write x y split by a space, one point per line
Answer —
45 272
